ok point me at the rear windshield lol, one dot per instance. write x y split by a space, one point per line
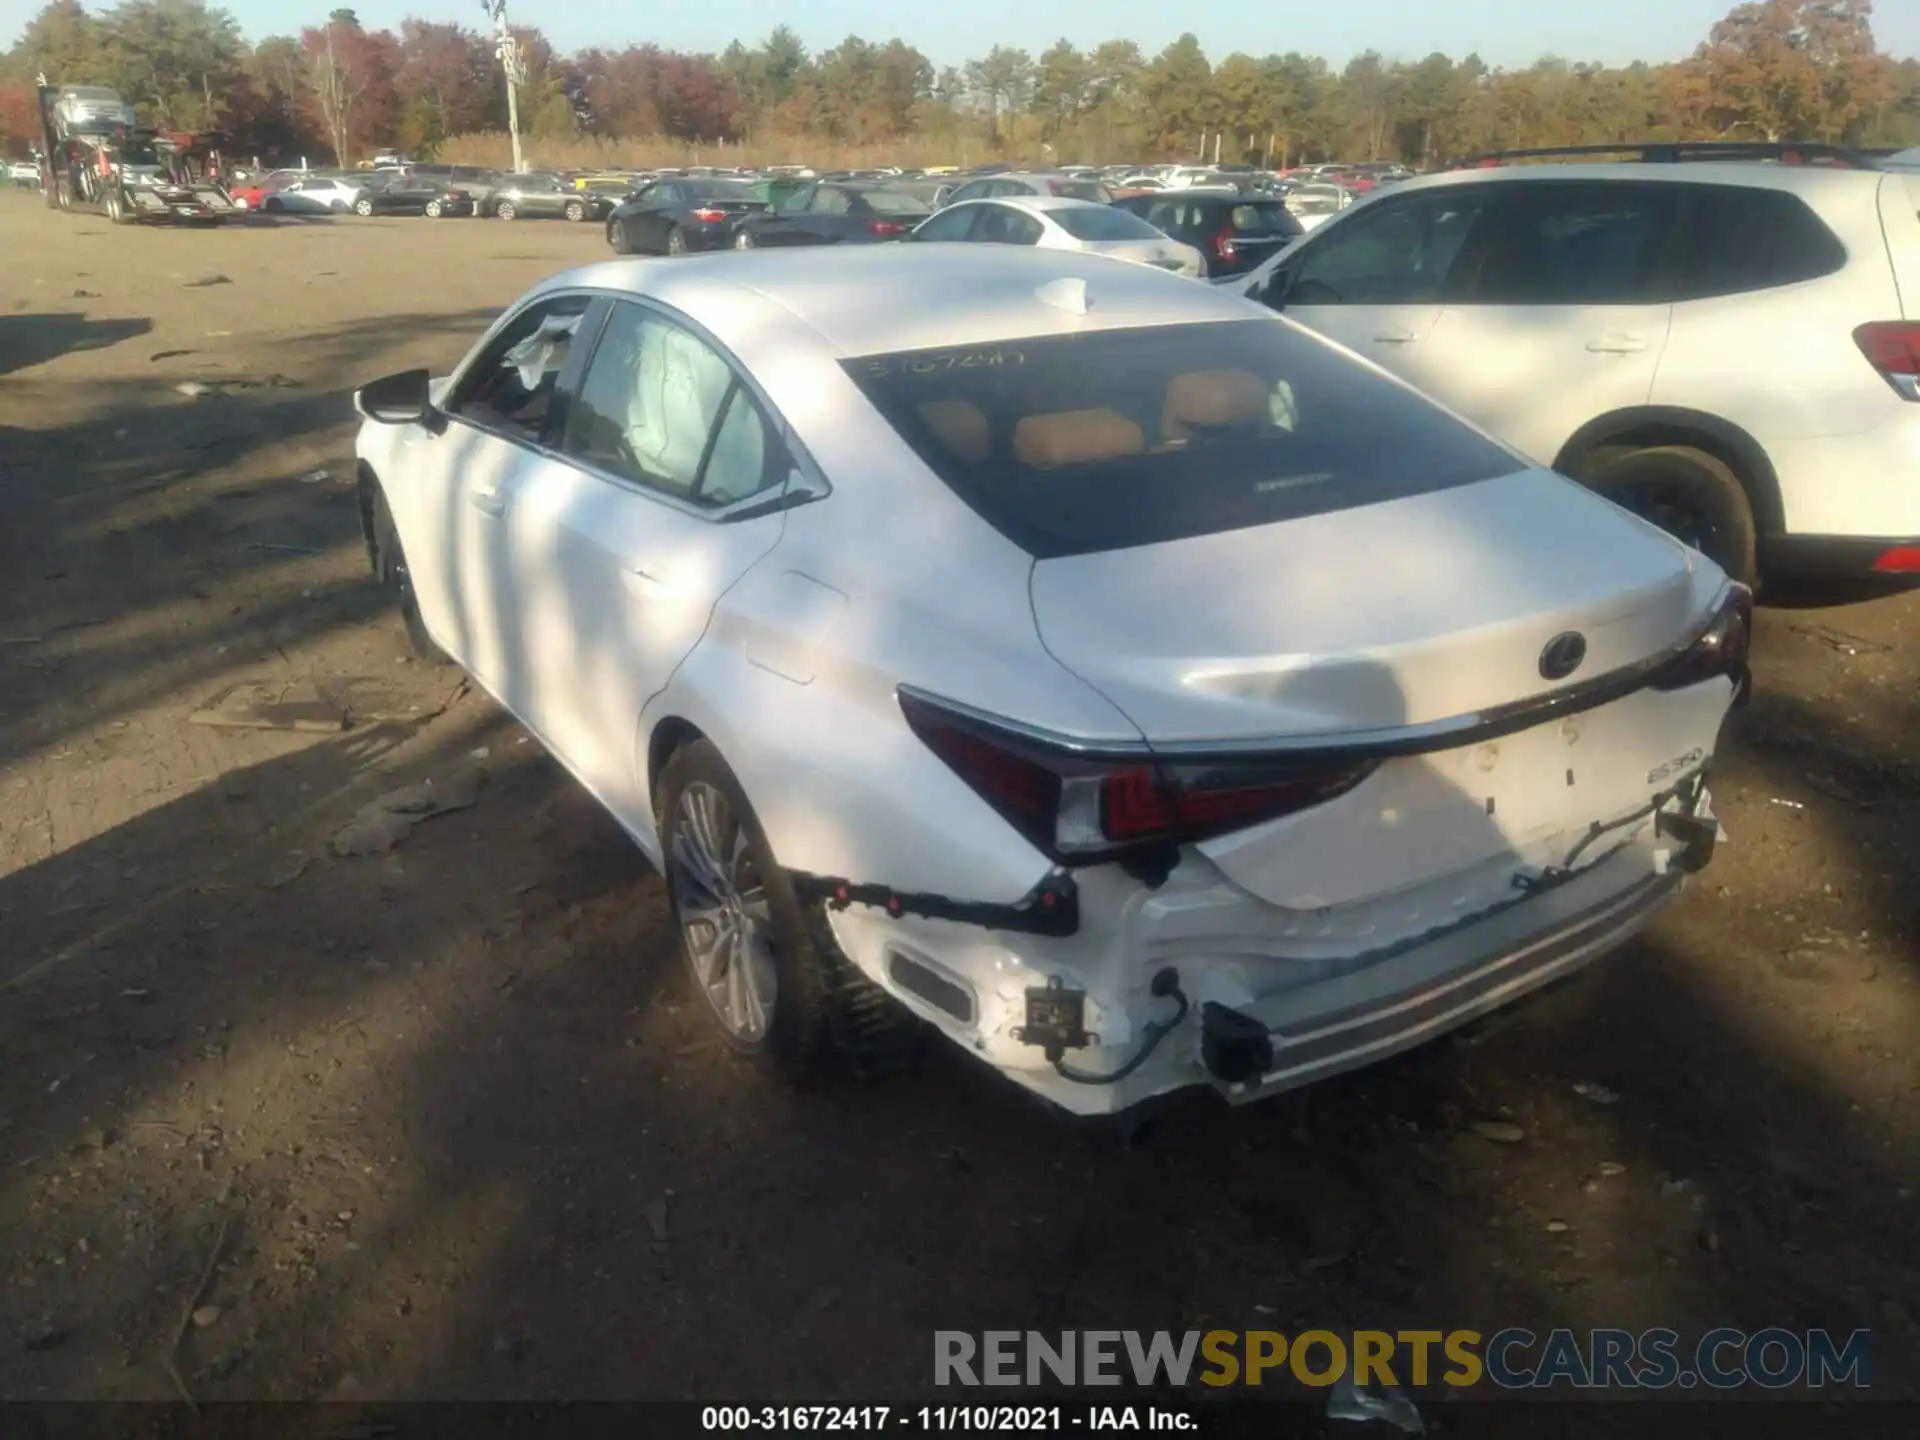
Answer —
1104 223
1072 444
724 190
1263 218
1080 190
896 202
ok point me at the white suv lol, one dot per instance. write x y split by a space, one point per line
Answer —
1729 348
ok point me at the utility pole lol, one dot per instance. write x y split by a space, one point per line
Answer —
508 49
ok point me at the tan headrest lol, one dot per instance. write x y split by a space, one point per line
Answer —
1070 437
1213 397
961 426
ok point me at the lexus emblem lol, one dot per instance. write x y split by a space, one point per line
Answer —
1563 655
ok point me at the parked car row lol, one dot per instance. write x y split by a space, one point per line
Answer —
435 191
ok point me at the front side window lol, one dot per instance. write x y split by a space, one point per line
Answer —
796 202
1576 243
1399 254
1072 444
972 190
660 407
830 202
510 387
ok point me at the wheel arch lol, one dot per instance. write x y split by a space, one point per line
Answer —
670 733
1645 426
366 485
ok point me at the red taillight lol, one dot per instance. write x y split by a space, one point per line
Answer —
1164 804
886 227
1721 648
1893 347
1082 810
709 214
1900 560
1223 244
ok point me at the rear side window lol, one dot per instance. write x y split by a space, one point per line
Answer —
1103 223
1072 444
1741 239
1578 243
1080 190
1269 218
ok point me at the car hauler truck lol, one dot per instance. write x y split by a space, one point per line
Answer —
99 159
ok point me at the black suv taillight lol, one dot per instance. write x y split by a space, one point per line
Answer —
1720 649
1082 809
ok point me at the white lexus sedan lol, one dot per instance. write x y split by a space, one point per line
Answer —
1055 222
1135 688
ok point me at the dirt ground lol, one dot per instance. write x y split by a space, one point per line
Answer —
448 1121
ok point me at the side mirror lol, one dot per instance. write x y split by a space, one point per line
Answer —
401 399
1274 293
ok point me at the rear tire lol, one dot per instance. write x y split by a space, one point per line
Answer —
389 562
1692 495
813 1004
575 211
743 240
504 210
363 207
676 241
435 210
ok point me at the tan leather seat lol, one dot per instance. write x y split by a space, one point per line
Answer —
1213 398
1072 437
961 426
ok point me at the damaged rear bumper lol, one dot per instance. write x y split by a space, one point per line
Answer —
1248 1012
1259 1050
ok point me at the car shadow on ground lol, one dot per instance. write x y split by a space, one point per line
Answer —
34 339
459 1128
166 541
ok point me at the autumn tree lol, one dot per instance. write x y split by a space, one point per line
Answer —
1060 85
350 83
448 80
1001 82
1178 90
1792 69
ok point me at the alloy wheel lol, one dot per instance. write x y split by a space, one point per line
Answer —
726 927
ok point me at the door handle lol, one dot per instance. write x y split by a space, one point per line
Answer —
487 500
1395 337
1617 345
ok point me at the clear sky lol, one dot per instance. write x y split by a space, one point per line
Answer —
1504 32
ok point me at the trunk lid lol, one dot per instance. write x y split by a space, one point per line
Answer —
1402 613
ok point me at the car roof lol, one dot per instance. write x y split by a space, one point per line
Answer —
876 299
1041 203
1758 174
